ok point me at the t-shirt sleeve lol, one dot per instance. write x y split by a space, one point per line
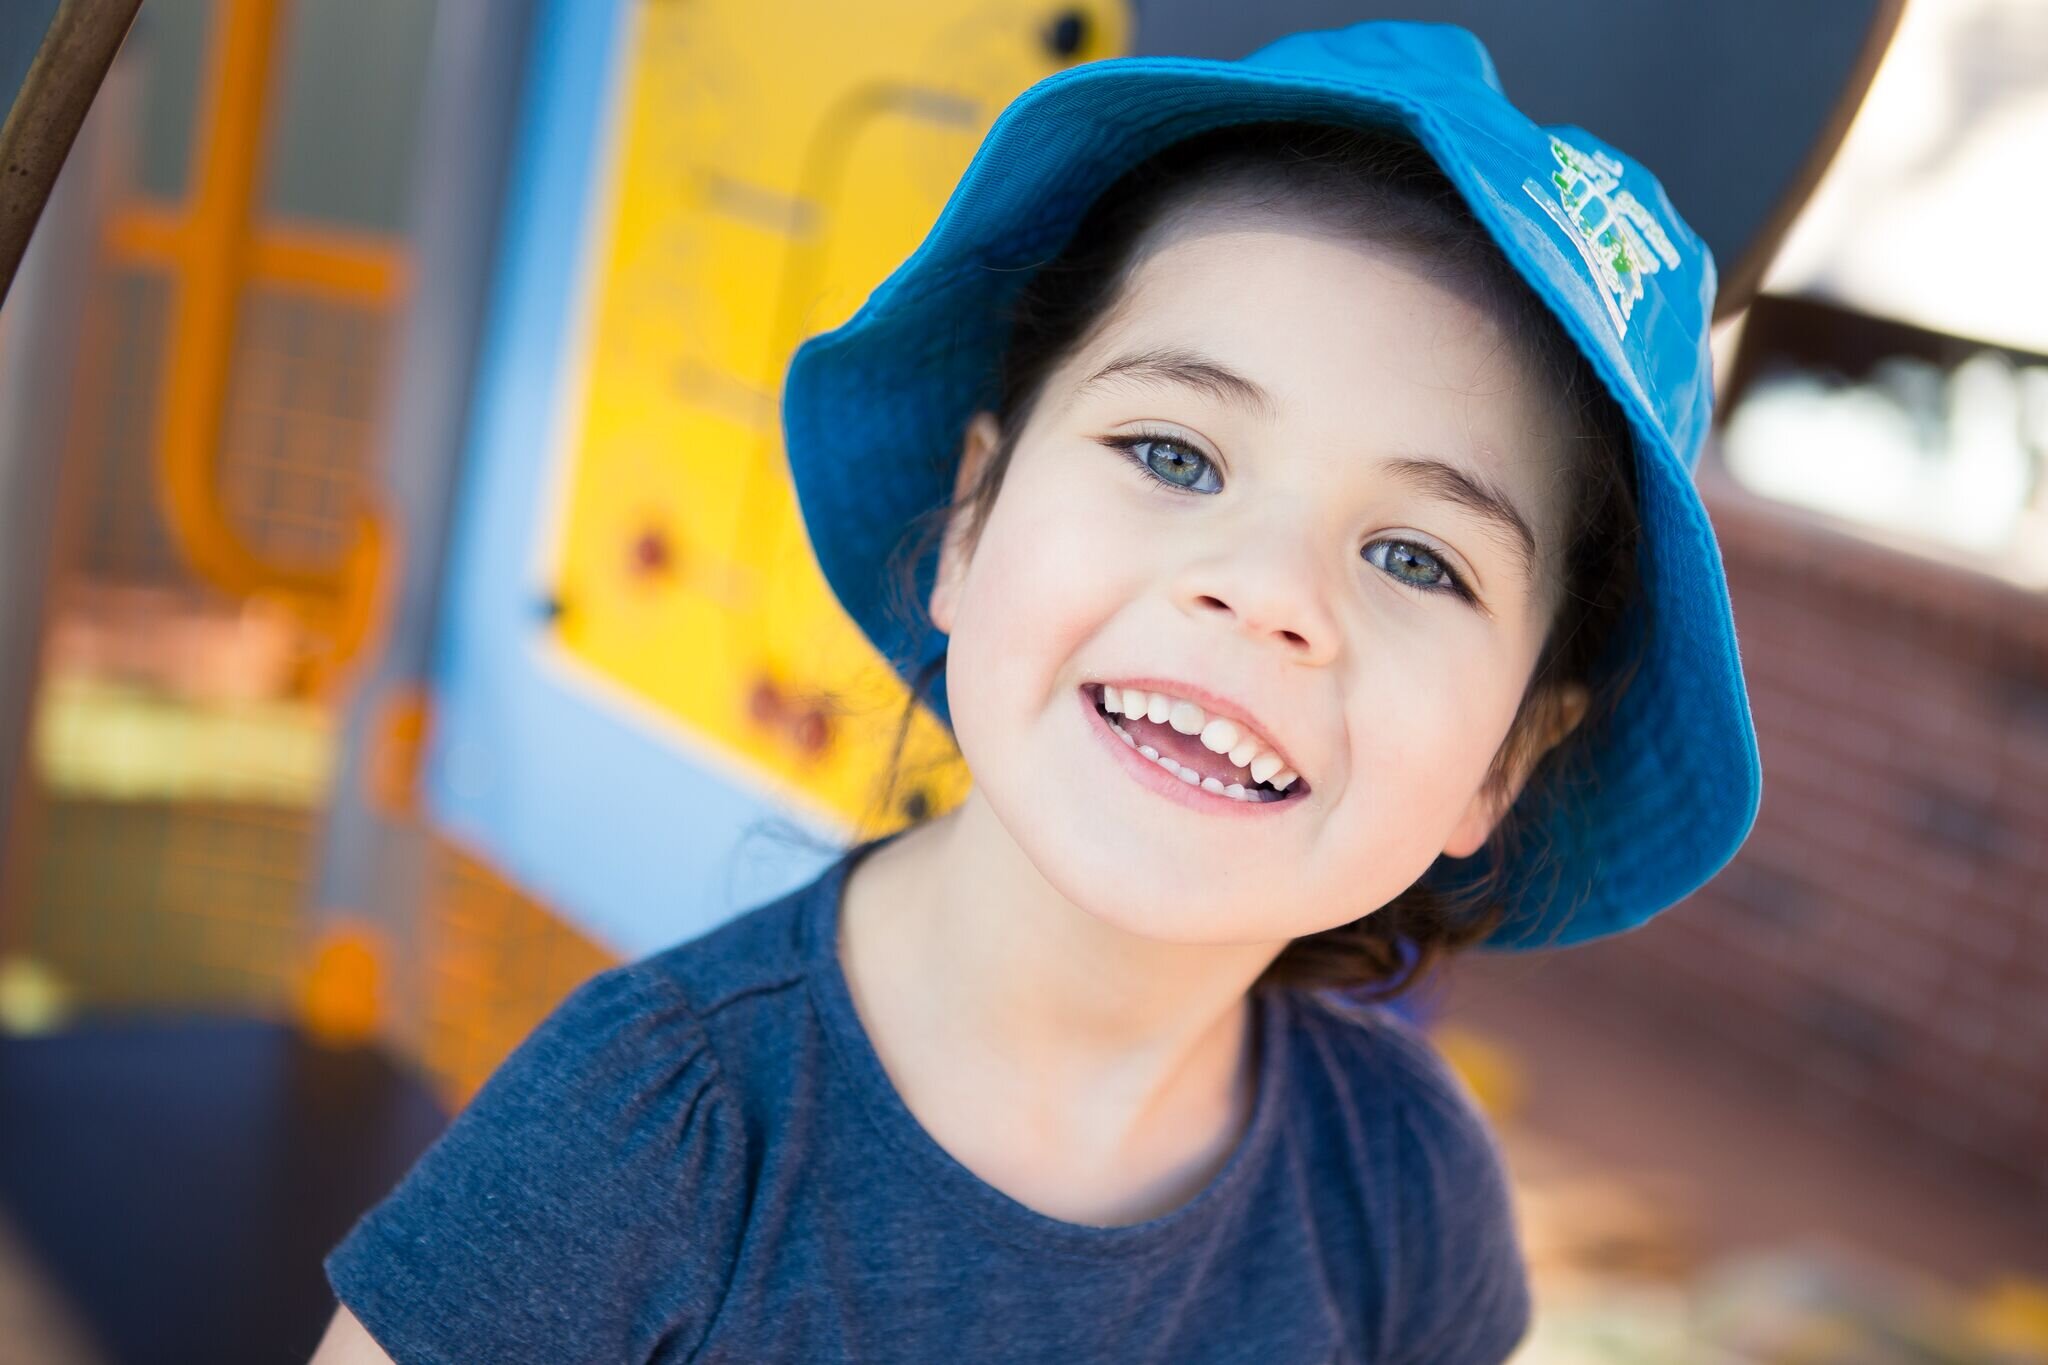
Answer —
1466 1289
584 1206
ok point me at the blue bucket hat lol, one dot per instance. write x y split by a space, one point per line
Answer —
874 411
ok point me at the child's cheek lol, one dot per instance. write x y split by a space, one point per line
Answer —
1049 571
1423 746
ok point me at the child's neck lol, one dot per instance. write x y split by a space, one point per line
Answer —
1028 1035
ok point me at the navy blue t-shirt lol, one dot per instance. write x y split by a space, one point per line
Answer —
699 1157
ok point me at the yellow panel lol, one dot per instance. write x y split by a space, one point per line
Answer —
761 187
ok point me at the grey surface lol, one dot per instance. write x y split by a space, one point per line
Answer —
169 38
347 105
475 67
40 339
348 121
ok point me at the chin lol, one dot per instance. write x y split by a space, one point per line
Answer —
1152 894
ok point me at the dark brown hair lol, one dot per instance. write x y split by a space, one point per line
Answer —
1382 187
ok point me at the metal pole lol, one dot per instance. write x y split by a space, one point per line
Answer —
77 49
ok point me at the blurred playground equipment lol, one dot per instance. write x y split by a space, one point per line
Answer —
405 614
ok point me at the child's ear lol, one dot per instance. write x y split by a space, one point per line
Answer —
975 449
1567 709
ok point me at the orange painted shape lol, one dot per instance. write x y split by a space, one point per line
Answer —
214 251
340 999
146 234
398 736
355 267
362 268
2011 1315
1488 1067
355 618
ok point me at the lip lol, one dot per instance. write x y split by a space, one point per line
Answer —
1213 703
1147 773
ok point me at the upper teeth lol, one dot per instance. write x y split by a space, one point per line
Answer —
1218 735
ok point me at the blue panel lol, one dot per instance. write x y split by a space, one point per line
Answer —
637 833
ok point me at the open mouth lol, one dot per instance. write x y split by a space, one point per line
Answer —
1219 754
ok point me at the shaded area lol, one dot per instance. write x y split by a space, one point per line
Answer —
178 1180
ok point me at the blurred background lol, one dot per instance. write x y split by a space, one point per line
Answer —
403 615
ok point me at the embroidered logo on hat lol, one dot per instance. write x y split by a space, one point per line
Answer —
1620 239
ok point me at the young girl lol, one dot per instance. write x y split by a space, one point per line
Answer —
1306 442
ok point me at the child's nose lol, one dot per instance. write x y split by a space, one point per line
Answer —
1269 592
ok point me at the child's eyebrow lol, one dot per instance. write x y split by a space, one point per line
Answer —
1191 369
1426 476
1436 479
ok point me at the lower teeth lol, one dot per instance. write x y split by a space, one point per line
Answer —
1256 795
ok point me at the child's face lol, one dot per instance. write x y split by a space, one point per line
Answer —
1267 585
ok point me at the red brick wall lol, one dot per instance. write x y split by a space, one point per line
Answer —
1880 945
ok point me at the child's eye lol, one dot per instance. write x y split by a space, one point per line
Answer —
1164 460
1167 461
1436 575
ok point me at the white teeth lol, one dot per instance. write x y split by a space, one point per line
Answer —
1235 791
1218 735
1123 734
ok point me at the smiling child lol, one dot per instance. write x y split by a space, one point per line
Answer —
1289 464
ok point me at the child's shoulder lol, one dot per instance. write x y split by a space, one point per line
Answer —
616 1142
664 1007
610 1143
746 985
1374 1037
765 949
1385 1070
1412 1136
